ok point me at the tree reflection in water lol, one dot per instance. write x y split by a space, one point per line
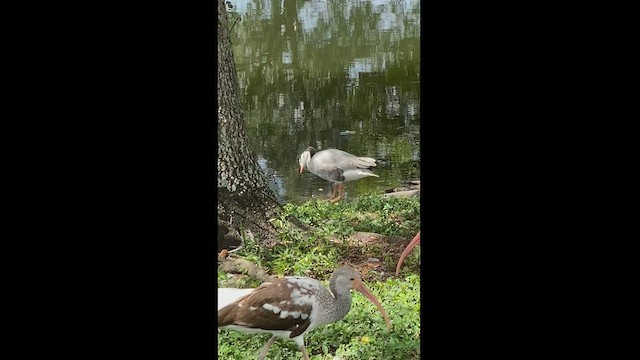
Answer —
311 70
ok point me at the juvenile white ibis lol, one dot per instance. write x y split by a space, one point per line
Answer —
336 166
407 250
292 306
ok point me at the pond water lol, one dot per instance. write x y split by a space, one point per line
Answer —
309 71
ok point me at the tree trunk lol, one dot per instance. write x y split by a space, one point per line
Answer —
245 200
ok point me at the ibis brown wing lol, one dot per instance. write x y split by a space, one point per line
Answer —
270 307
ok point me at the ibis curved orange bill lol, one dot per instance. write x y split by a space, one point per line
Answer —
412 244
361 287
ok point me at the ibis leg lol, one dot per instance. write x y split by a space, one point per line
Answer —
265 350
305 354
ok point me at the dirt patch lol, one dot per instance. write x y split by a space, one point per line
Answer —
375 256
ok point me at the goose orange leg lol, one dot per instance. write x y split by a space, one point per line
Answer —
340 187
333 193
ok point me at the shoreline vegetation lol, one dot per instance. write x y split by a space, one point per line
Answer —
368 234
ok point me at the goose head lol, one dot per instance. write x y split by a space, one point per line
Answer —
305 157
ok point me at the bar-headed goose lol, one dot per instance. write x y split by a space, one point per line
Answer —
336 166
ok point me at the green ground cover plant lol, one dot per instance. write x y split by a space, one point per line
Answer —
362 333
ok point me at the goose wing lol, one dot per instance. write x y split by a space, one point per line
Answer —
332 164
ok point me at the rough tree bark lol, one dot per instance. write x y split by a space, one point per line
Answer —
245 200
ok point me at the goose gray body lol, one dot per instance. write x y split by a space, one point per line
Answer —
336 166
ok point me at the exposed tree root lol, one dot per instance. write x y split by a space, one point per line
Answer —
228 236
241 266
300 224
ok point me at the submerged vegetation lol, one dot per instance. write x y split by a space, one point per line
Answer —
368 234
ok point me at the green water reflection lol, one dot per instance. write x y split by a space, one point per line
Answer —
309 70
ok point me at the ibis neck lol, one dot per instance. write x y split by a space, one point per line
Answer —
342 303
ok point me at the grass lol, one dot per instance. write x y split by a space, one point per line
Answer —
362 334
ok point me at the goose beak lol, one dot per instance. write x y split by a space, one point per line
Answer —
361 287
301 169
412 244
